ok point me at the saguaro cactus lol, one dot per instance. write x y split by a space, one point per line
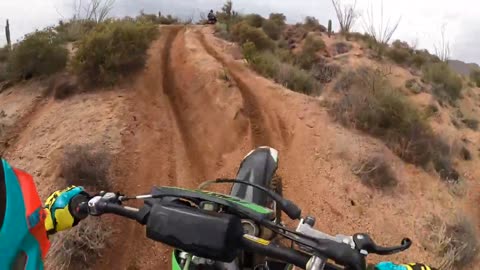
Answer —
329 28
7 34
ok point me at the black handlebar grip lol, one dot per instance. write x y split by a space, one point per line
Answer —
291 209
276 252
78 206
341 253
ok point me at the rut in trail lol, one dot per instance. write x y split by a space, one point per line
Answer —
260 133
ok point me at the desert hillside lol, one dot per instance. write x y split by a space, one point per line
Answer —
375 139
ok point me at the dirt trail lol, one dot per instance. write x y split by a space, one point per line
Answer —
195 112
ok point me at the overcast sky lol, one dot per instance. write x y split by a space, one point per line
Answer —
421 20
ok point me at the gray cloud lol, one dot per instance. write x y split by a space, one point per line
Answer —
421 19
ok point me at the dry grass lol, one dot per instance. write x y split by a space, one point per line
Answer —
78 248
372 105
86 165
375 172
455 242
81 246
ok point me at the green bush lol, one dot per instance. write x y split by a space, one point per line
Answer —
285 55
169 19
222 32
269 65
265 63
398 55
307 56
254 20
112 49
372 105
272 29
376 172
312 24
421 57
447 84
40 53
157 19
278 18
297 79
4 52
475 76
242 32
74 30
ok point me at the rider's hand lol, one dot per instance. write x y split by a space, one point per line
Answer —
58 207
410 266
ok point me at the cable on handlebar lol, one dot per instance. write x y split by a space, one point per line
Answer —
287 206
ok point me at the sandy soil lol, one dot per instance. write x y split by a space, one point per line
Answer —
195 111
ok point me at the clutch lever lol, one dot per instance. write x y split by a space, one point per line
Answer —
365 243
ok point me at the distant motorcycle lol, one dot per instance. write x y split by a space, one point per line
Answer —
212 19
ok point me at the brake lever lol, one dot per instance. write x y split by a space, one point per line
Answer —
365 244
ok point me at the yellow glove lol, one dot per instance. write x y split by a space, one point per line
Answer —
59 209
418 266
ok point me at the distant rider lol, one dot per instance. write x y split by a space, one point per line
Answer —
211 17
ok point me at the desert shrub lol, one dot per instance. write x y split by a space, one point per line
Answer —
345 81
4 52
372 105
221 31
471 123
307 56
169 19
421 57
342 47
398 55
39 53
269 65
325 72
312 24
297 79
265 63
79 247
444 167
278 18
254 20
398 44
86 165
74 30
272 29
158 19
375 172
285 55
242 32
474 76
456 242
112 49
414 86
446 83
465 153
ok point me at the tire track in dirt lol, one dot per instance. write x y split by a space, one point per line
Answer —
149 158
260 133
14 133
178 102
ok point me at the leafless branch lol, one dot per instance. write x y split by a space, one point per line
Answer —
93 10
346 15
442 48
382 31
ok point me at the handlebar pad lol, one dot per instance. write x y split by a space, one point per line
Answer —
341 253
206 234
